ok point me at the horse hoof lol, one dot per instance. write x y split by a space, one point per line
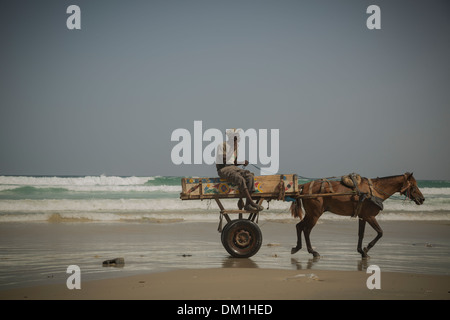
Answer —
295 250
364 253
314 253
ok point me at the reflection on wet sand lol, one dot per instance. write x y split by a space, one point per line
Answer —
309 264
230 262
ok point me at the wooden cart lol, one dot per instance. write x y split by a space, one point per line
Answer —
241 237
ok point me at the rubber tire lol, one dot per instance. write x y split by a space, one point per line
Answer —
243 229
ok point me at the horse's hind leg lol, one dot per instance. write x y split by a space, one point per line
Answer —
307 230
299 228
305 226
313 210
374 224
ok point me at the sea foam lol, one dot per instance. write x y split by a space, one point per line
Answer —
113 198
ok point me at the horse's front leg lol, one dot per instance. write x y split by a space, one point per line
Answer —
299 227
361 228
374 224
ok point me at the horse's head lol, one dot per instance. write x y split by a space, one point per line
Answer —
411 190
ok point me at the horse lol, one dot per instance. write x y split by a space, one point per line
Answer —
366 203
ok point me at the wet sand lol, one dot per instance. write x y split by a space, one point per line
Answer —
185 260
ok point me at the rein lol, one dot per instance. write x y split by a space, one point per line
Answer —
406 191
394 197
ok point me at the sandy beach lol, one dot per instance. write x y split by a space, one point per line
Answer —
179 260
246 284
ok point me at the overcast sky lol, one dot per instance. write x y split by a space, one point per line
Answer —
105 99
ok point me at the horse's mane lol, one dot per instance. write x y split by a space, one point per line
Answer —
388 177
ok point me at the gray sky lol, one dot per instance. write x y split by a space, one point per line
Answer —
105 99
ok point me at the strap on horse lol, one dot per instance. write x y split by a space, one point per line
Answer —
322 186
364 195
361 196
370 187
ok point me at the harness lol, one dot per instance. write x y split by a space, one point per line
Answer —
362 196
322 186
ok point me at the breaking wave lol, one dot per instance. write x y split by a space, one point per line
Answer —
113 198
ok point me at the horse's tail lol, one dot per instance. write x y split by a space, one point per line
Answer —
296 208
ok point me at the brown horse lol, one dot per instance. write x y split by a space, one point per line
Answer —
366 203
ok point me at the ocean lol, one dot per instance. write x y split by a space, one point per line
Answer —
113 198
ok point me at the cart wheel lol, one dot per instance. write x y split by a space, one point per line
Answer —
241 238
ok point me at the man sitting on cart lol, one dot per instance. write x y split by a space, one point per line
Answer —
227 168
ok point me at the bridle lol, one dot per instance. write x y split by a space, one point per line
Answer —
407 186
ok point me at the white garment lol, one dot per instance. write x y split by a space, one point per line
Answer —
227 147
